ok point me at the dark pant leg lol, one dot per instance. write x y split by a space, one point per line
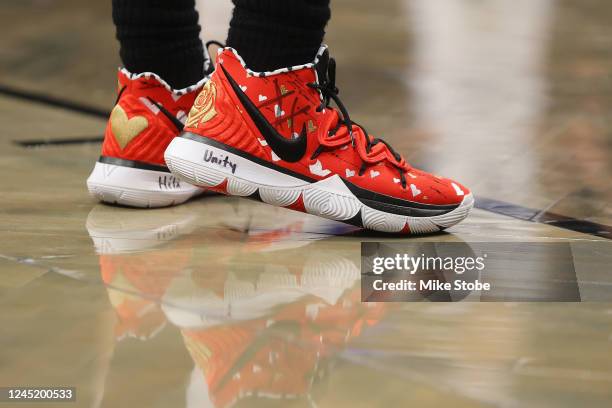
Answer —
160 36
271 34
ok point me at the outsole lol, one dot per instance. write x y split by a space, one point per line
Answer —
328 198
132 187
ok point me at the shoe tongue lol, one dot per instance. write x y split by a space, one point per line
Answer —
321 63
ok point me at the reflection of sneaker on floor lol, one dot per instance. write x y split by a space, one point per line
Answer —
137 317
268 228
131 169
280 352
283 355
119 230
274 136
139 254
234 290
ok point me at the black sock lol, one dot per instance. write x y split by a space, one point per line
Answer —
272 34
160 36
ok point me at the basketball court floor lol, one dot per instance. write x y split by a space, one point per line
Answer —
228 302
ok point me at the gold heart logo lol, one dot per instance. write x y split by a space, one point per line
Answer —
124 129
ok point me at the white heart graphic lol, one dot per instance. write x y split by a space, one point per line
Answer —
243 87
415 190
262 142
396 180
374 173
458 190
278 112
262 98
274 157
318 170
350 173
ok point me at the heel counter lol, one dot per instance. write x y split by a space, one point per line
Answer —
134 132
110 145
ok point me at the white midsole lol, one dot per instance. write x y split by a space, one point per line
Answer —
137 187
244 169
209 166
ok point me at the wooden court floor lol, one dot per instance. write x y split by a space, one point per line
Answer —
224 302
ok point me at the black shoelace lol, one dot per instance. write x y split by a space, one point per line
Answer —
329 91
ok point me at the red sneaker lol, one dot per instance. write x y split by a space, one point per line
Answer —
131 170
273 136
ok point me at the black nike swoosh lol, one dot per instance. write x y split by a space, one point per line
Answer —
177 123
289 150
